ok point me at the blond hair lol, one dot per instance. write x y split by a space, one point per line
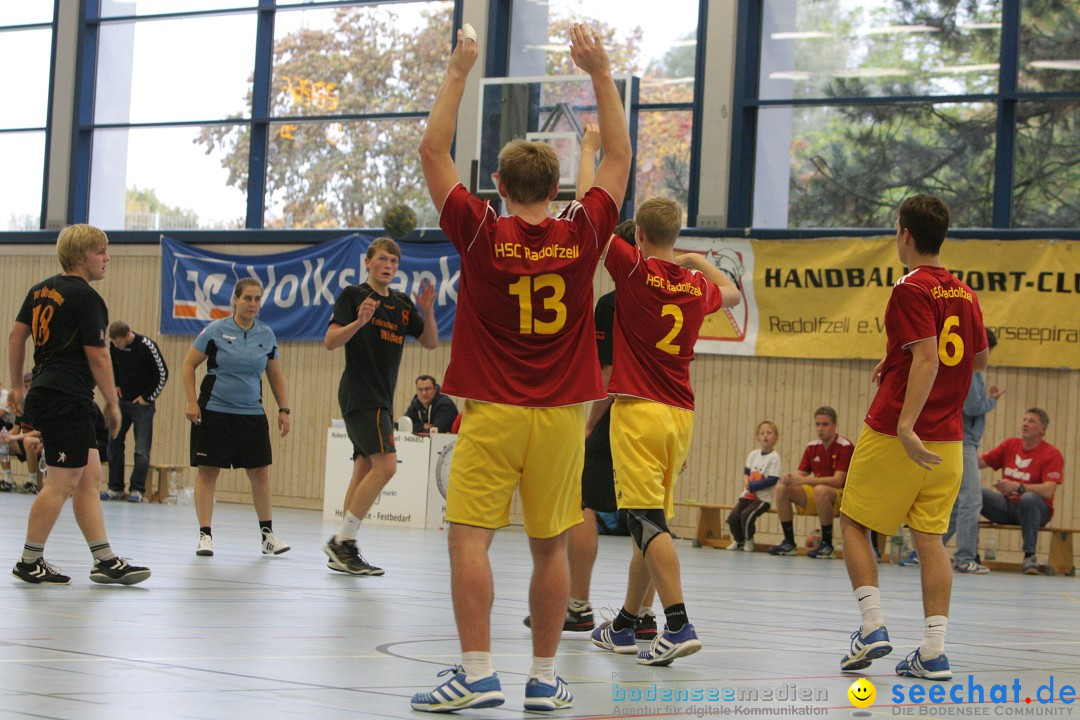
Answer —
528 170
660 220
75 242
768 423
238 288
383 243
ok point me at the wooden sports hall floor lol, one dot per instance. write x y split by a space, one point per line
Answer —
241 635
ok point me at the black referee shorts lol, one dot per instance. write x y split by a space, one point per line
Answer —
229 440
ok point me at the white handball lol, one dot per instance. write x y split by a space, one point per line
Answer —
468 32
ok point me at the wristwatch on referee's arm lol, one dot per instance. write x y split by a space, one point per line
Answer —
284 410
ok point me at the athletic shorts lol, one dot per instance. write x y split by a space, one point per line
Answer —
371 431
598 476
886 489
649 444
69 426
539 451
230 440
811 504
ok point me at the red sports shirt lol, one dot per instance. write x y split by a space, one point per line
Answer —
659 308
929 302
821 461
1043 463
524 332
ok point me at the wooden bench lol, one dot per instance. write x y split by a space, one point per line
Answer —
1061 561
712 529
161 492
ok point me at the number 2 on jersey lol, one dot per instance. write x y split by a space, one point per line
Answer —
524 289
666 344
950 339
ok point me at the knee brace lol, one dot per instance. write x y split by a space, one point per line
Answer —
645 525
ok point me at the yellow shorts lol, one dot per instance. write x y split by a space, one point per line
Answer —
811 504
502 446
886 489
649 443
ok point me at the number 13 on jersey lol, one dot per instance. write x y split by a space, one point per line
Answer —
547 290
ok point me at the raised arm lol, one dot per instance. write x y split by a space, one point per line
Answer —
729 292
614 170
435 159
590 145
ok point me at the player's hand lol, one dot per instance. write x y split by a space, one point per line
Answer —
588 52
590 142
14 401
876 375
139 401
284 423
464 56
194 413
366 310
995 392
426 299
112 418
917 451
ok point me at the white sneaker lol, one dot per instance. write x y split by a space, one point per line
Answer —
272 544
748 546
206 545
735 545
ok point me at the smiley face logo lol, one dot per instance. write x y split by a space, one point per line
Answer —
862 693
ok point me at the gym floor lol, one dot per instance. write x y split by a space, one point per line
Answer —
242 635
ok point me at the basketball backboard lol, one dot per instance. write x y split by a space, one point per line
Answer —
551 109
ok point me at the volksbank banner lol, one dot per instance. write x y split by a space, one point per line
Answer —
299 287
826 298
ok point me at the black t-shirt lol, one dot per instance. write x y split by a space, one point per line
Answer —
604 317
373 354
64 314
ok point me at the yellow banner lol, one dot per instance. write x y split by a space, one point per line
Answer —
826 298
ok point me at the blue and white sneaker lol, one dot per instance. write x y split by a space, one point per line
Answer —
917 667
622 641
824 551
540 695
912 558
457 694
670 645
866 649
784 548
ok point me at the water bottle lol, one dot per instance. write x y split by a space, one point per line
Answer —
5 457
896 548
813 539
172 497
990 552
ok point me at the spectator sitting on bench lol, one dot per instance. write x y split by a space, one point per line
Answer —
1031 473
430 408
817 487
760 476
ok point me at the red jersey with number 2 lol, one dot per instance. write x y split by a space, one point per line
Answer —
929 302
524 332
659 308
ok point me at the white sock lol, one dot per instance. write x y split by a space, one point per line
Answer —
477 665
869 599
349 527
933 642
543 668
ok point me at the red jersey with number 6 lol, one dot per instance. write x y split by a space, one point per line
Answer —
659 308
929 302
524 332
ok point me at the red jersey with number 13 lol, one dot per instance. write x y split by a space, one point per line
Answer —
524 332
929 302
659 308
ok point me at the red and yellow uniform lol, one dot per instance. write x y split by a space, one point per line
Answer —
821 461
885 488
659 309
523 337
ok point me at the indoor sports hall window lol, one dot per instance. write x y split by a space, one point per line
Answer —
659 46
855 104
26 33
221 114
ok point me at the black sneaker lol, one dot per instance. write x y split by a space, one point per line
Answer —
346 558
576 620
39 572
5 486
117 570
645 627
